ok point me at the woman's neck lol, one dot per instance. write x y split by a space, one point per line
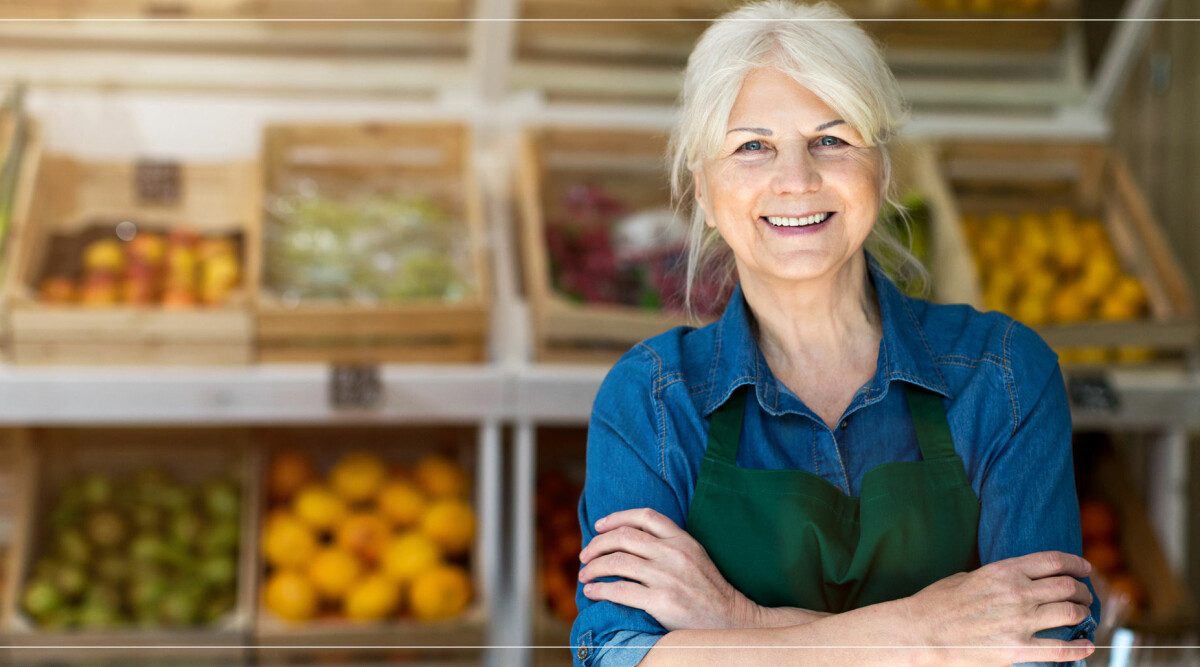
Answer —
828 322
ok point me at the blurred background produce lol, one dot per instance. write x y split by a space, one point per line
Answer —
144 550
128 263
367 540
366 247
1056 268
602 252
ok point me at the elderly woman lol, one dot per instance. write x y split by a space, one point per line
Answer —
832 465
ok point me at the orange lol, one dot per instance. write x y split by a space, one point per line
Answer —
1070 304
290 596
288 542
289 472
408 555
402 503
358 476
1097 520
450 523
364 534
440 593
372 598
1103 556
439 477
319 507
333 571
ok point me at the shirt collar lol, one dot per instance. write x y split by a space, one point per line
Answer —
903 355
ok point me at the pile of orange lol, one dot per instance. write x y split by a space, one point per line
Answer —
1101 547
368 541
559 542
1056 269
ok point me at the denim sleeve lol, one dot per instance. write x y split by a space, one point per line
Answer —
624 471
1028 494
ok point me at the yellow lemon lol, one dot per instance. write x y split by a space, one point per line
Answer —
358 476
288 542
290 596
439 477
374 597
1070 304
319 507
333 571
408 555
1130 354
440 593
402 503
450 523
1031 311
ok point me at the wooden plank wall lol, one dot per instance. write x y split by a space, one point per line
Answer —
1155 128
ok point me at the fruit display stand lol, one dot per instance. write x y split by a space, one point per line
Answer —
429 162
74 199
53 459
1005 181
302 463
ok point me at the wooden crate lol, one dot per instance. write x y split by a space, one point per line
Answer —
432 160
1014 178
561 451
281 641
68 196
630 165
50 457
29 161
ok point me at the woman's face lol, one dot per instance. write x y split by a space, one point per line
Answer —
794 190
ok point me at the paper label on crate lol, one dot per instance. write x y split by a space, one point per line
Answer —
158 182
355 387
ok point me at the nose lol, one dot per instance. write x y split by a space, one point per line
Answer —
796 172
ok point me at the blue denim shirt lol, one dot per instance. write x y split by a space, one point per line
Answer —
1007 410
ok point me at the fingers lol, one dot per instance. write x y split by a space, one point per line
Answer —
1058 589
625 538
628 593
1058 615
1051 564
620 564
643 519
1055 650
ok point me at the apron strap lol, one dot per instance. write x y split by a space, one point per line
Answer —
725 427
929 421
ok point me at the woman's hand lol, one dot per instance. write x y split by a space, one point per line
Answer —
670 576
990 615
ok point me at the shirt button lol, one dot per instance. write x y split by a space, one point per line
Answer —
1080 635
845 422
582 653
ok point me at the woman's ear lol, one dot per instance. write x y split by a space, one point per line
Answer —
701 198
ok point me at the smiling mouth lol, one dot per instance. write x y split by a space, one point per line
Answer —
814 219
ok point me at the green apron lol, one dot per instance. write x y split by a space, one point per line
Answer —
788 538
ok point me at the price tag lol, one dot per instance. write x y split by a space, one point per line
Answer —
1093 393
355 387
158 182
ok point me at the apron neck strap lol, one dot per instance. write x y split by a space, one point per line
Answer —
929 421
725 427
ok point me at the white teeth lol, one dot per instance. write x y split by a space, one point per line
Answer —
780 221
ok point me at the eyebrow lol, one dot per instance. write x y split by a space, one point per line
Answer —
756 130
766 133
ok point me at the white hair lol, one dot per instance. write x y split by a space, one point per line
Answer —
822 49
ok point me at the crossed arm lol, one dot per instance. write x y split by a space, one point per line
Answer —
988 616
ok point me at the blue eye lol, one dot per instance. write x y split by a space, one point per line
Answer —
828 141
752 145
